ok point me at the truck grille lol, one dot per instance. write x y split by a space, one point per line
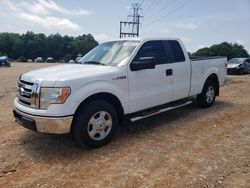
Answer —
27 93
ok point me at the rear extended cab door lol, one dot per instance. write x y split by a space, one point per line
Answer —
181 66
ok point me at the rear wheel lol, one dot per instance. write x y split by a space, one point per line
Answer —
94 124
207 97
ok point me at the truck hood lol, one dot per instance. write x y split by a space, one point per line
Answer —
64 72
231 66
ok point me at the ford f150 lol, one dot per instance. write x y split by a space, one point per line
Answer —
132 78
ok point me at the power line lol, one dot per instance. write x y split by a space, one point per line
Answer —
163 8
141 2
150 6
154 6
171 12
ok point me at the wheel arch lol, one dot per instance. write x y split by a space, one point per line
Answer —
215 79
104 96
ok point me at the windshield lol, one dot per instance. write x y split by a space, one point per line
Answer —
236 61
110 53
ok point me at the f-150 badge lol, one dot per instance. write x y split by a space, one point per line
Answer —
119 78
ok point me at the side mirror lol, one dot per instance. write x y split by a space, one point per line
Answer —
142 64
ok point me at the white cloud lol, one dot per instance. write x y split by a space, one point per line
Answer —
186 39
101 37
164 30
51 5
45 7
200 46
245 44
187 25
240 42
50 22
34 8
10 5
41 14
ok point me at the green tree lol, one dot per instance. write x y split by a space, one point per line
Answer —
31 45
6 43
224 49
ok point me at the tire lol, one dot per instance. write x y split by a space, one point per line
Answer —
94 124
241 71
207 97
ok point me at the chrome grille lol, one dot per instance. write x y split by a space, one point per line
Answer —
27 93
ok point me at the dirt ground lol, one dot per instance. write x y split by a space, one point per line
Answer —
187 147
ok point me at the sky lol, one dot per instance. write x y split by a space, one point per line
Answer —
199 23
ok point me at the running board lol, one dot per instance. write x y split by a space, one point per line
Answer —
159 111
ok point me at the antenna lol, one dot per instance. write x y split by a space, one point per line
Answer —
131 28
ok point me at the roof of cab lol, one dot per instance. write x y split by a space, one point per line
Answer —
143 39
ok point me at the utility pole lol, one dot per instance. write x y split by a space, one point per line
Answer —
131 28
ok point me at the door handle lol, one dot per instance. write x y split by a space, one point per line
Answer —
169 72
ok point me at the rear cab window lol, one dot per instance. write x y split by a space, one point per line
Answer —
174 50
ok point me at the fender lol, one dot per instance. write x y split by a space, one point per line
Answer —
210 71
205 72
99 87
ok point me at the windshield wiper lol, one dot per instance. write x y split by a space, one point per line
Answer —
94 63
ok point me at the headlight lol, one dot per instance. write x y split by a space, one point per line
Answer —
53 96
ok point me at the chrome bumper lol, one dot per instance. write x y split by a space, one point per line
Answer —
57 125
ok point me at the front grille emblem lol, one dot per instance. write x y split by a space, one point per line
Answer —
28 93
21 91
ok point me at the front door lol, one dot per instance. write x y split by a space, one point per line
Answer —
151 87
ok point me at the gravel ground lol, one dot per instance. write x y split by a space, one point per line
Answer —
186 147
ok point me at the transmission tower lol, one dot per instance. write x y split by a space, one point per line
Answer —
131 28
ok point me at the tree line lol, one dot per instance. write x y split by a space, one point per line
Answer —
22 47
229 50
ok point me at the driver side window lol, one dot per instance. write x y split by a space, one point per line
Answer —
153 49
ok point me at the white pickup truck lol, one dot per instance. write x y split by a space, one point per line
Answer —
132 78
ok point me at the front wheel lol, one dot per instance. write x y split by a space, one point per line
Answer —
207 97
94 124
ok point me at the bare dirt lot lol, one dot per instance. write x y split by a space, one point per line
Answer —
187 147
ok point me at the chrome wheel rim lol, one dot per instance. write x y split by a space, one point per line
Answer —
99 125
210 94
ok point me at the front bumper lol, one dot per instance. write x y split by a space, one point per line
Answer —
6 64
234 70
53 125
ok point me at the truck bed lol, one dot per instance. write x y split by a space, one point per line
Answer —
202 67
206 58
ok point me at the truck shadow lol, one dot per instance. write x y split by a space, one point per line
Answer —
61 147
187 113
